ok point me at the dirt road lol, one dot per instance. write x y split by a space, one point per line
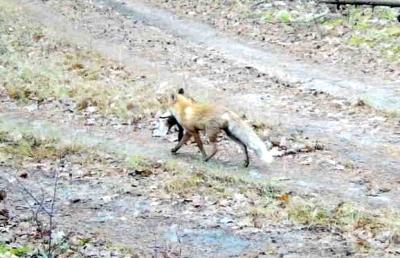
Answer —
359 162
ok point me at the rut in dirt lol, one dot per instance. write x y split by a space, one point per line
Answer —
127 144
320 179
380 94
357 138
130 211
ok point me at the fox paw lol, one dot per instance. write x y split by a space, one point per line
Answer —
206 158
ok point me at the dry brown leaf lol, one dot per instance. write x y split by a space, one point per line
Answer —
284 197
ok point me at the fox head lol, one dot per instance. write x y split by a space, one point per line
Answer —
178 96
174 96
174 103
168 99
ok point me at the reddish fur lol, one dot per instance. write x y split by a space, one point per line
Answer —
195 117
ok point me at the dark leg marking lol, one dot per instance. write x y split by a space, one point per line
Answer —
184 139
244 147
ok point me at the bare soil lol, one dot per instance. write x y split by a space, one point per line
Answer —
325 40
343 152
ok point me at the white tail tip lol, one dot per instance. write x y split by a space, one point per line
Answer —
267 157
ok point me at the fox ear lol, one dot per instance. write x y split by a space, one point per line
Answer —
181 91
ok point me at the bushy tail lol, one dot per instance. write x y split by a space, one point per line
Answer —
246 135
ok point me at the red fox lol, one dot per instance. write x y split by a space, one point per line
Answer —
195 117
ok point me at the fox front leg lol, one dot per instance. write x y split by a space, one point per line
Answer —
212 136
199 144
184 139
171 121
180 132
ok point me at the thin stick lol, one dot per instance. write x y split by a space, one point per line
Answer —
363 2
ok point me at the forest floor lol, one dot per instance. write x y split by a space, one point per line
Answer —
82 84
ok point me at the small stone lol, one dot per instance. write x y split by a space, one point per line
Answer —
359 103
257 222
339 167
224 203
384 189
6 237
226 220
91 109
32 107
383 236
246 222
23 175
90 122
198 201
307 161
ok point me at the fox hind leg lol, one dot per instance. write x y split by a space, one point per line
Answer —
199 144
212 135
185 138
246 153
244 147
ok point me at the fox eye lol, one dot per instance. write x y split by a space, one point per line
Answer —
173 97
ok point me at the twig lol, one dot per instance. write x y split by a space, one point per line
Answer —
257 4
55 176
363 2
40 204
23 189
178 235
155 244
36 212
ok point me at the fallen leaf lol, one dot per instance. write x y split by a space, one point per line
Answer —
284 197
23 175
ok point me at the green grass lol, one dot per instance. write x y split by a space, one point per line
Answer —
185 183
284 16
269 201
6 251
383 38
19 148
37 66
274 205
141 165
365 28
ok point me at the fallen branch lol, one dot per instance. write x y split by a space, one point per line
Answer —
254 6
363 2
312 18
